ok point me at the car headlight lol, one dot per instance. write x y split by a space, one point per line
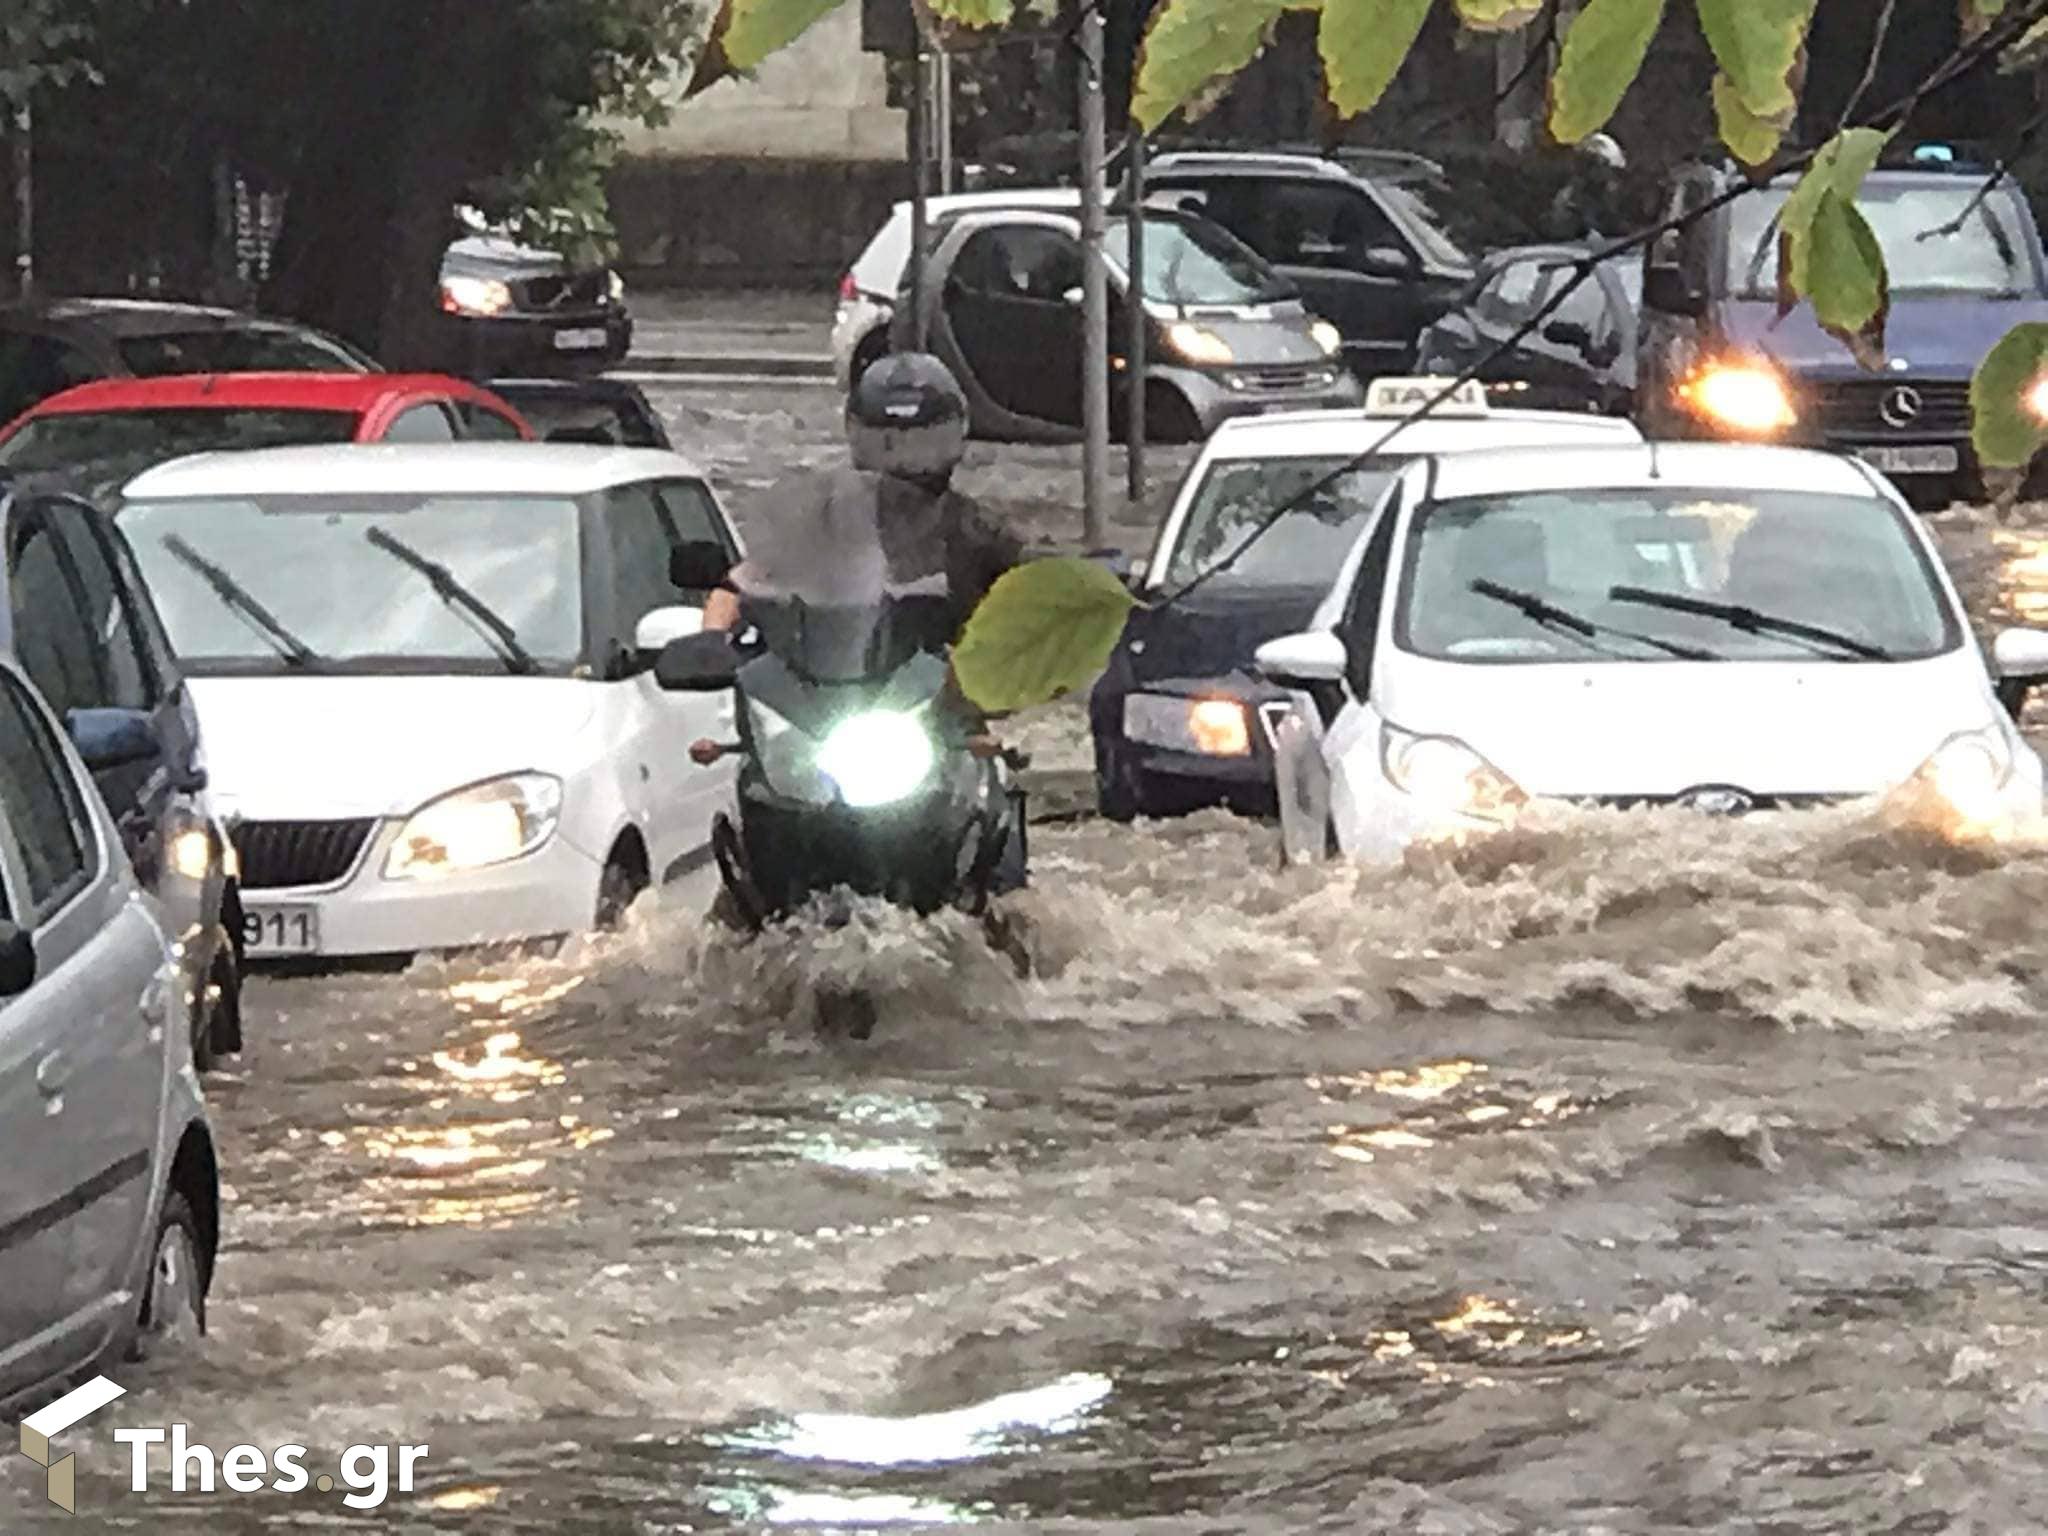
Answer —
475 296
473 828
1969 773
189 853
1447 776
1328 337
616 286
877 757
1199 345
1210 727
1747 398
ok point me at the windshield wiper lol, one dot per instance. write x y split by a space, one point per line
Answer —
1553 617
1750 621
452 592
238 600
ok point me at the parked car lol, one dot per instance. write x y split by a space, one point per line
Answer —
1229 336
586 410
48 347
1731 628
507 307
867 294
424 675
1178 717
79 621
1366 252
1717 360
156 419
1583 356
110 1211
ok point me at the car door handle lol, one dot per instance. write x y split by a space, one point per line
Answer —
53 1072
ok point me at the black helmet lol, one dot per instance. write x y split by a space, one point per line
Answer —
907 416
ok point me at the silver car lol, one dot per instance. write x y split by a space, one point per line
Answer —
110 1208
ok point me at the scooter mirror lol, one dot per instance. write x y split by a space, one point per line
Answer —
704 663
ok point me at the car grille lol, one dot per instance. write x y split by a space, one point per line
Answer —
1756 802
567 290
1856 407
282 855
1286 376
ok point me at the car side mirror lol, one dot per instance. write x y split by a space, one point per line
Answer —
662 627
1386 261
1120 565
1569 333
1666 288
1304 660
114 738
700 663
17 960
698 565
2020 660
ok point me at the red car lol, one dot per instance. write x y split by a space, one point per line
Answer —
119 421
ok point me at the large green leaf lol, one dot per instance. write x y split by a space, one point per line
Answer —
1364 43
1839 167
1758 44
745 32
1603 54
2008 432
1497 15
2028 51
1045 629
1193 43
1846 277
1750 138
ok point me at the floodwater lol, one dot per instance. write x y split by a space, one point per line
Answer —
1630 1173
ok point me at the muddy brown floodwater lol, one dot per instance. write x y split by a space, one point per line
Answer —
1631 1173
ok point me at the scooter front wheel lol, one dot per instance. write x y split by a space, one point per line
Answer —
731 856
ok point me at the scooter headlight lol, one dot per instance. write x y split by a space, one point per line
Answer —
877 757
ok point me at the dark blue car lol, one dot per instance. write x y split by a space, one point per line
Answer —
1715 358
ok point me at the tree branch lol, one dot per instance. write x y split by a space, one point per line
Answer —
1870 67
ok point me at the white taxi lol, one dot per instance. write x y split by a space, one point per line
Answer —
425 677
1178 718
1727 627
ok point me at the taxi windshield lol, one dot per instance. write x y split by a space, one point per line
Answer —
1590 576
1305 545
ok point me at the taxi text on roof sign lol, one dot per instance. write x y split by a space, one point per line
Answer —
1404 397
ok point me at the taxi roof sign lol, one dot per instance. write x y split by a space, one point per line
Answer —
1406 396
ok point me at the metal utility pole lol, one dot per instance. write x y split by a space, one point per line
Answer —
920 157
1135 340
943 63
24 202
1094 290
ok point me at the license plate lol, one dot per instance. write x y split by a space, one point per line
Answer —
587 340
280 930
1937 459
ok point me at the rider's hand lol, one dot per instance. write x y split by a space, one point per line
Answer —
704 752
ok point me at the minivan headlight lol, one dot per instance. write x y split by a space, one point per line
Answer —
489 823
1744 397
1447 776
475 296
1198 344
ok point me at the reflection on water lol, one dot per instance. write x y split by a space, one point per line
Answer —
990 1428
837 1511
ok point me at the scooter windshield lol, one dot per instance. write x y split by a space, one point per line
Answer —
826 597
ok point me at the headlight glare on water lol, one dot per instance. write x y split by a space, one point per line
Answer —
877 757
486 824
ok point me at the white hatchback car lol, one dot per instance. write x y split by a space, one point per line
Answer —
424 674
1728 627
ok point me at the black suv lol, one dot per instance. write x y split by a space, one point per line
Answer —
1366 251
1715 360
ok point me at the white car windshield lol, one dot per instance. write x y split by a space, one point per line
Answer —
1936 240
1683 573
1305 545
365 584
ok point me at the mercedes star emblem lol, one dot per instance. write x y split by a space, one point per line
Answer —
1900 406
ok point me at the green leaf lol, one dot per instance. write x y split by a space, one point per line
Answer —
1979 14
1758 44
974 13
745 32
1840 167
1752 139
2007 433
1364 43
1044 630
2028 51
1603 54
1497 15
1193 43
1846 277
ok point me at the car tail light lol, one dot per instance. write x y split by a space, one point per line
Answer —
849 290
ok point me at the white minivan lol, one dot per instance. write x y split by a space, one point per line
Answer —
425 678
1737 629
